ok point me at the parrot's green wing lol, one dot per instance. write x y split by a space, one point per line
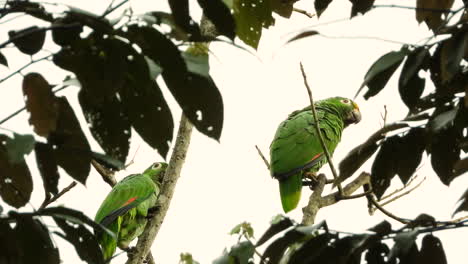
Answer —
296 146
124 210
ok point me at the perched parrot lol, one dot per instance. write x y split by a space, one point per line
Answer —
296 147
125 209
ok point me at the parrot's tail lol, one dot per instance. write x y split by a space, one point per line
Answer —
290 191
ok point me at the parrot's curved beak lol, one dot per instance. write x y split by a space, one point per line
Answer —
356 115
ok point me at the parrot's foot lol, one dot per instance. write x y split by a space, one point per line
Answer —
310 175
310 179
130 251
152 212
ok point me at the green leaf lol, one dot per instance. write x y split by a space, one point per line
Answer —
16 182
381 71
197 63
186 258
108 124
282 8
361 6
382 229
220 15
47 166
19 146
29 40
242 252
321 6
145 106
3 60
276 226
432 251
243 228
85 243
71 148
251 16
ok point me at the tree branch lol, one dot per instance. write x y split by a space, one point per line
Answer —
48 201
263 157
315 201
107 175
167 190
317 129
349 189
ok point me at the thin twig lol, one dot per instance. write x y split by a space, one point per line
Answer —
371 198
304 12
107 175
317 129
24 67
110 10
171 176
263 157
436 10
400 195
48 201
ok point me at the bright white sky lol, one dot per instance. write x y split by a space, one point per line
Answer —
223 184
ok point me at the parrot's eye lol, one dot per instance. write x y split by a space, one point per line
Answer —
345 101
156 166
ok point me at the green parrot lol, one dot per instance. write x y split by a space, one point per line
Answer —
296 147
125 209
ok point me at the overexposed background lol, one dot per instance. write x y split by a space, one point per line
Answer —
225 183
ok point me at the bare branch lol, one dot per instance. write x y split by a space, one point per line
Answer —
167 190
317 129
372 200
349 189
315 202
304 12
107 175
263 157
48 200
110 10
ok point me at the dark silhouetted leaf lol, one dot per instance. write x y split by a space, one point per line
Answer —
443 120
251 16
100 65
82 239
403 243
432 251
9 243
310 250
197 60
410 152
421 220
461 166
432 19
382 229
282 8
321 6
445 152
66 31
198 96
410 85
302 35
360 6
385 166
274 229
47 166
108 124
220 15
108 161
181 15
380 72
3 60
145 106
34 242
376 254
15 179
355 159
19 146
41 103
71 148
463 203
29 40
452 52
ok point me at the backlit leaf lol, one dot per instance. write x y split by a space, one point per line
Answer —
41 103
385 166
321 6
410 152
433 19
360 6
47 166
16 182
410 85
451 55
251 16
19 146
432 250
